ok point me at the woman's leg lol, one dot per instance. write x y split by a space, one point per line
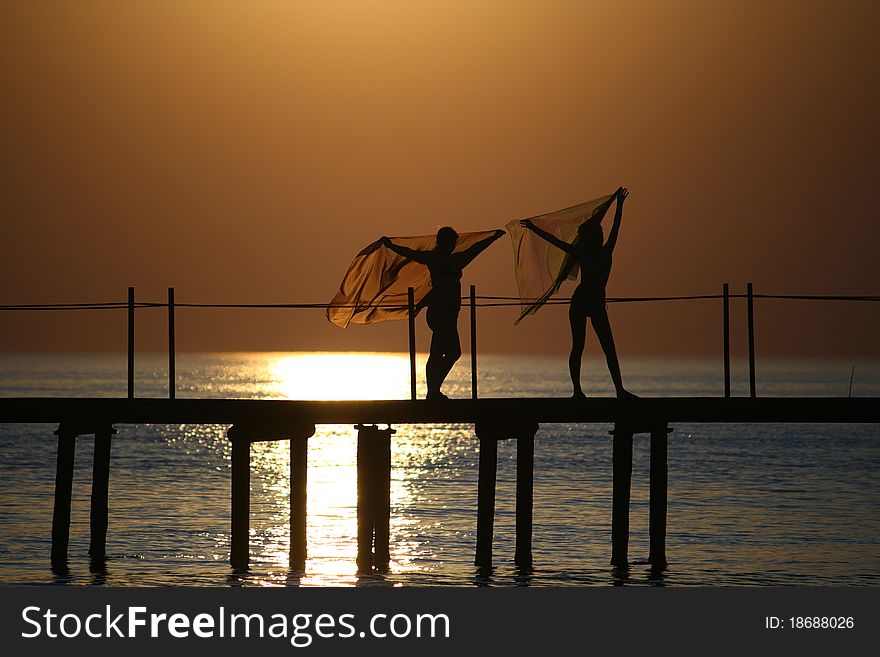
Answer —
578 321
445 350
602 326
432 367
451 352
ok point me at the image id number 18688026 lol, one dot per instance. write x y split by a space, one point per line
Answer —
809 623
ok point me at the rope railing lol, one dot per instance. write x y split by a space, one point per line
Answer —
493 302
473 301
818 297
69 306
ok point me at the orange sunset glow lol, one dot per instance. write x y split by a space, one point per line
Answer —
247 156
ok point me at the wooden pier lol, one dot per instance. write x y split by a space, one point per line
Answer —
493 420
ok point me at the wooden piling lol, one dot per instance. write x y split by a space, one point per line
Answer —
525 476
241 485
374 496
473 341
63 490
365 508
382 510
299 469
622 466
411 322
658 495
172 375
100 493
750 298
131 343
486 497
726 321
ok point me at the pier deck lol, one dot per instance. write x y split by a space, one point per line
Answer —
234 411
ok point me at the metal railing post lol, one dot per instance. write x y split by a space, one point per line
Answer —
750 299
131 343
726 313
172 376
473 341
412 342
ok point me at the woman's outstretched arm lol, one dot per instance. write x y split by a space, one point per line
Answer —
543 234
412 254
466 256
621 194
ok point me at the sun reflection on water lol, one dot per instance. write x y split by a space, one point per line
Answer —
332 471
332 506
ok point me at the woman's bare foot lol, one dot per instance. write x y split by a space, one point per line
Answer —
435 394
578 394
626 394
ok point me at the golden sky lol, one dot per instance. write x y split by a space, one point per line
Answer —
245 151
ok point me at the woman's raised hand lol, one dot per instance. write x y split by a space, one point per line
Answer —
526 223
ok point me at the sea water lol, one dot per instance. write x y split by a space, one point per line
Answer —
749 504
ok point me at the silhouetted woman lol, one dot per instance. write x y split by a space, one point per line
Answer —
445 301
593 256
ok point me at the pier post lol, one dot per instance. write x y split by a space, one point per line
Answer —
364 503
131 343
622 466
299 468
726 320
382 538
473 341
241 492
63 490
750 299
411 317
486 495
658 494
374 496
100 492
172 374
525 477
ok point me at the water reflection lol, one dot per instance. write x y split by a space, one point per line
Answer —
523 576
98 570
237 578
657 575
61 572
375 579
620 575
484 576
331 511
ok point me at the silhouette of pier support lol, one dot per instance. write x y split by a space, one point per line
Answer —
658 494
98 514
100 493
525 479
63 491
299 461
239 554
374 497
241 436
489 433
487 476
622 479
